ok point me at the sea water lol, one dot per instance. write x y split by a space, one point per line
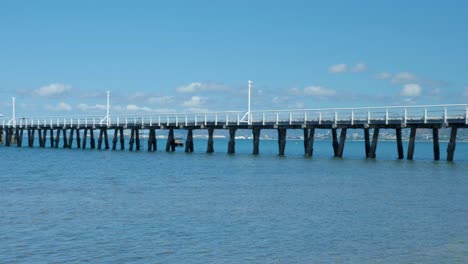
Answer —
104 206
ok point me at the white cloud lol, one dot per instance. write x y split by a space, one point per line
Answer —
411 90
319 91
360 67
338 68
59 107
53 89
85 107
404 77
161 100
200 87
194 102
383 76
135 108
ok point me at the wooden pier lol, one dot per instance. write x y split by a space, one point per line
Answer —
79 132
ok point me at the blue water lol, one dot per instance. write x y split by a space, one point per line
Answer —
75 206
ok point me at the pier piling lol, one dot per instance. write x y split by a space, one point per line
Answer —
281 141
412 139
335 142
57 138
309 150
256 140
435 142
210 143
189 141
399 140
232 141
452 143
373 148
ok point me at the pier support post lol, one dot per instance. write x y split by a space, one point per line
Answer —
122 140
335 142
85 135
412 140
132 139
150 139
435 142
367 145
309 150
342 142
44 137
137 139
452 143
189 141
232 141
375 139
281 141
101 134
31 133
1 136
170 144
106 139
57 138
52 141
19 137
7 137
209 147
65 141
92 142
256 140
401 155
70 139
114 139
39 134
78 138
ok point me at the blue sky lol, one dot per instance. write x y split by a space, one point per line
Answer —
60 57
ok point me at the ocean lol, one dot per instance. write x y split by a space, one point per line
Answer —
104 206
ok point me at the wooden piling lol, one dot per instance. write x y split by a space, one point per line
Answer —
170 144
101 134
114 139
232 141
57 138
373 148
150 139
367 145
342 142
435 143
210 147
65 141
122 140
19 137
189 141
399 140
1 136
92 142
309 151
132 139
7 137
281 141
52 141
39 134
256 140
335 142
85 136
452 143
106 139
412 139
30 138
137 138
78 139
70 139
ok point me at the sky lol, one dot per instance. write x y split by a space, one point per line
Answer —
58 58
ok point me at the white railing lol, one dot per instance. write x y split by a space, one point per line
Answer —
361 115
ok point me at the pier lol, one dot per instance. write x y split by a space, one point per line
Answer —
107 133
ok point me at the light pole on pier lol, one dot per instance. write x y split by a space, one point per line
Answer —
107 117
247 117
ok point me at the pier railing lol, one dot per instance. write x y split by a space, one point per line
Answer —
426 114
